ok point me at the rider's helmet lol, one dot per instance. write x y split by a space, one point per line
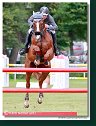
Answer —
44 10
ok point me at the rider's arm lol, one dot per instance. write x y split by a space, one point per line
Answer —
52 24
30 21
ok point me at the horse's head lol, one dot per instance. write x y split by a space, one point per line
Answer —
38 25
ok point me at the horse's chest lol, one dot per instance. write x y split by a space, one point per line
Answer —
44 46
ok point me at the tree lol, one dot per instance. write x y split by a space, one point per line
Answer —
71 19
14 27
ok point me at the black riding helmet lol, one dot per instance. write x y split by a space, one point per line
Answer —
44 10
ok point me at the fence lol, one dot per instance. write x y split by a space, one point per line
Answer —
70 66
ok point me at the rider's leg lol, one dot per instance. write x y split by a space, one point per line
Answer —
27 42
55 44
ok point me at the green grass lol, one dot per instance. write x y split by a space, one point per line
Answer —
51 102
78 83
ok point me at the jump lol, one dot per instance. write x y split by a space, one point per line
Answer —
40 52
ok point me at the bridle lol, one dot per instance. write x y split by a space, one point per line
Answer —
39 28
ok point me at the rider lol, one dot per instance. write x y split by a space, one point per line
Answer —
50 24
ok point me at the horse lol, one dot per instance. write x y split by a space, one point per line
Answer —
39 55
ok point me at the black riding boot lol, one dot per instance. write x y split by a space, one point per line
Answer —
55 44
27 42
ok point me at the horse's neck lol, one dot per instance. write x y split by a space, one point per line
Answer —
47 36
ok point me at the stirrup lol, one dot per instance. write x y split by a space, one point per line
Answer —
57 53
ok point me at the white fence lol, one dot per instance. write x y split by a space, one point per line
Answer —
5 76
55 78
70 65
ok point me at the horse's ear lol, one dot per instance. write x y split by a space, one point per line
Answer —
33 12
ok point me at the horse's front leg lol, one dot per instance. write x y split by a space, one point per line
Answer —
26 102
48 55
37 59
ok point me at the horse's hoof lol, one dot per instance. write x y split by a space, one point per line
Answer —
26 106
46 63
39 100
36 62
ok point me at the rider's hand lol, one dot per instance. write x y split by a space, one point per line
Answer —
46 26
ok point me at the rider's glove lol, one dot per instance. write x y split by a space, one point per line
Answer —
46 26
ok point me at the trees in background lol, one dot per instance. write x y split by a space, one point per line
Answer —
71 19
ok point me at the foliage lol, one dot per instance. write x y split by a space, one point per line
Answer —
14 24
71 19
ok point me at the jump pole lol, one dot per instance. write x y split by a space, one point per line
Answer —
44 70
24 90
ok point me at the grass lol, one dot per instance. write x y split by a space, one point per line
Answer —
51 102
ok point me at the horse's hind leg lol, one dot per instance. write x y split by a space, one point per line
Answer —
26 102
41 79
40 98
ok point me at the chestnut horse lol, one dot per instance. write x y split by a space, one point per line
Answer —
39 55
